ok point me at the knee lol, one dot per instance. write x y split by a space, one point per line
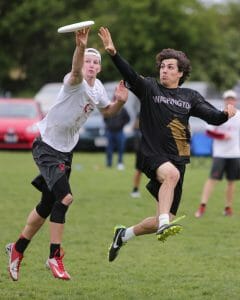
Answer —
173 175
44 208
67 200
59 212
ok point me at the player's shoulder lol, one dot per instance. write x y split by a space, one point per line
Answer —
188 91
98 83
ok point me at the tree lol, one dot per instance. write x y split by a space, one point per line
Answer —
33 53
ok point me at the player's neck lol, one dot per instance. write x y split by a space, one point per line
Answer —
90 80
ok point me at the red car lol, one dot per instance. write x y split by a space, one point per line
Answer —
18 118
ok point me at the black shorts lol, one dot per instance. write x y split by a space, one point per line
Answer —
55 168
230 167
149 167
138 161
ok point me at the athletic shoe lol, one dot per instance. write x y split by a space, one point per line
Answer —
170 229
15 259
201 211
120 167
228 212
135 194
117 242
56 265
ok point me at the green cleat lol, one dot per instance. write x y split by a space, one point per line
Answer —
167 230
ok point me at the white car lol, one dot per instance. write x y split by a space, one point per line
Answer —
46 96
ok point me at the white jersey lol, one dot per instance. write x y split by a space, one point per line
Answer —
227 148
60 127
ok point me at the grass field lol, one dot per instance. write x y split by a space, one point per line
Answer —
201 263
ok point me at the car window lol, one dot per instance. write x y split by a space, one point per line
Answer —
18 110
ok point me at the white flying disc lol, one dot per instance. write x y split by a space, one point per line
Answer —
75 27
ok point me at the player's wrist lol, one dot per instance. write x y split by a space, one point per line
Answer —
111 51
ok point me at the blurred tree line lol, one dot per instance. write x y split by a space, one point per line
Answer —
33 53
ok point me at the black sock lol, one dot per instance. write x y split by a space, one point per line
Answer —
54 250
21 244
135 189
203 204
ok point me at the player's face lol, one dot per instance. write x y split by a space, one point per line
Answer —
169 74
231 100
91 66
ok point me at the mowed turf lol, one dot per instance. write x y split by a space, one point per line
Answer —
200 263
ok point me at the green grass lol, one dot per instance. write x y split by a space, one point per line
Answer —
201 263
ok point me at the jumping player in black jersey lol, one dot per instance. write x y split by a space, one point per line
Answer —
164 124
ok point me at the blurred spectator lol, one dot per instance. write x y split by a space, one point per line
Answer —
138 173
116 137
226 158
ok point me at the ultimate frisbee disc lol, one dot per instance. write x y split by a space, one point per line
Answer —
75 27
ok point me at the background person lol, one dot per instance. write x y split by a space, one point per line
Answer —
226 158
138 160
52 152
116 137
164 123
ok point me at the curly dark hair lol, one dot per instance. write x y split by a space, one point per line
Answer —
183 62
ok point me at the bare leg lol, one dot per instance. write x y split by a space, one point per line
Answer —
229 193
168 175
207 190
137 178
56 229
148 225
34 223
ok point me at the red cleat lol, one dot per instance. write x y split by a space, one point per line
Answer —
228 212
15 259
200 212
56 265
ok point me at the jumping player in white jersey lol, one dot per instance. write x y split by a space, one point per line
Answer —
52 151
226 158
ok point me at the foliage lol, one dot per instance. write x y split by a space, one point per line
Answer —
200 263
33 53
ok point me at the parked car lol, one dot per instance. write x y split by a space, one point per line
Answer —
18 118
47 95
92 133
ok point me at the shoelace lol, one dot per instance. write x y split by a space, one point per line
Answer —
60 263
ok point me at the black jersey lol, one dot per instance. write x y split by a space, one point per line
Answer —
164 114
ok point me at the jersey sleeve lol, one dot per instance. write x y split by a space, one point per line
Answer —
133 81
206 111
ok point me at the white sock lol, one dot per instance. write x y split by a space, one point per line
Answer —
163 219
129 234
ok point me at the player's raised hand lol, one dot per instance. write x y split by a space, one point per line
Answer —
121 92
106 38
82 36
230 110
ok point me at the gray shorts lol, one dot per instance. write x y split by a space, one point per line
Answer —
53 165
230 167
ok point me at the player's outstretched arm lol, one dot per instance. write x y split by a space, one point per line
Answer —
120 98
81 38
106 38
